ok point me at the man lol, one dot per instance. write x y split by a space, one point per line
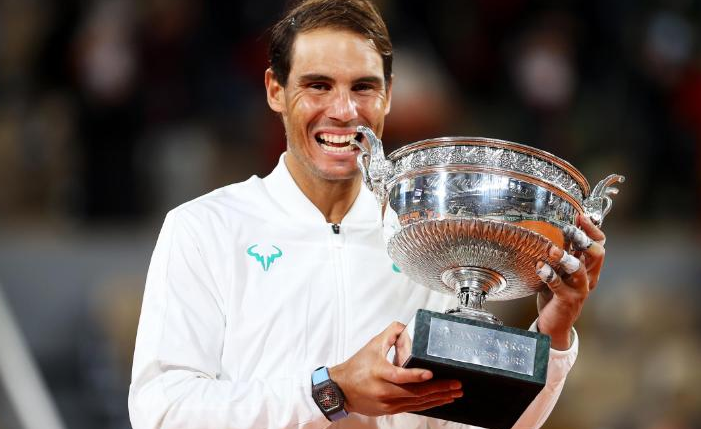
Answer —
254 286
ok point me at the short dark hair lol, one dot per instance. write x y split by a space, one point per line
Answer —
358 16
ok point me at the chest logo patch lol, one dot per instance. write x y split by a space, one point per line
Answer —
267 258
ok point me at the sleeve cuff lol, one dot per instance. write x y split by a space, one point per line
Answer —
570 352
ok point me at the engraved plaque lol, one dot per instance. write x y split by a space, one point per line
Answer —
481 346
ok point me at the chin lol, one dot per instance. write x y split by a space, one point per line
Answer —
340 174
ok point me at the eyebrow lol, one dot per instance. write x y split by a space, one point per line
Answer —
316 77
375 80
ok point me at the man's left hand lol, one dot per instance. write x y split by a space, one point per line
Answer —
561 303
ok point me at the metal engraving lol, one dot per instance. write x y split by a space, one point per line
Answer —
498 158
481 346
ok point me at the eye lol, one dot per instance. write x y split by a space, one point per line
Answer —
363 87
319 86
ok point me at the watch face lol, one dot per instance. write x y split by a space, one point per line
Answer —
328 397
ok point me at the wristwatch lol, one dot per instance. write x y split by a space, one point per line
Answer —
327 395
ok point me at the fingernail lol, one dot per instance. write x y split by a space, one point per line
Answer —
426 375
569 263
454 385
546 273
457 394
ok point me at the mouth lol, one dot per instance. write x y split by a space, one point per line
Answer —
338 143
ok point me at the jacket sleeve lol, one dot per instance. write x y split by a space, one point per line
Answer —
176 379
559 366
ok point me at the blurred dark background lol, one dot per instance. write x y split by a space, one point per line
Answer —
112 112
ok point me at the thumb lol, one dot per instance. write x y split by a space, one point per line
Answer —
389 336
392 373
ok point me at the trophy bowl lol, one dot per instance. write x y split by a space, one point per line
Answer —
471 217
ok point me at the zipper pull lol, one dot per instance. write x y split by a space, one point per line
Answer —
336 228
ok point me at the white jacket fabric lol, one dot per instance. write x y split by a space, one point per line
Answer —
249 290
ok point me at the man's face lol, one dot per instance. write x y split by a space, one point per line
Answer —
336 83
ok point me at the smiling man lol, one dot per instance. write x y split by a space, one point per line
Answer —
336 83
272 303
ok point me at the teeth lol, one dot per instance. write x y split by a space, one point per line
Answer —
336 138
328 148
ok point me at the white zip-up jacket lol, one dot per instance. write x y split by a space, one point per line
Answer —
249 290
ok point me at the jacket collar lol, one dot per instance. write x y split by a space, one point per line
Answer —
284 190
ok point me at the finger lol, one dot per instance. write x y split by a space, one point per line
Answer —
546 274
436 387
425 402
413 393
594 262
590 229
423 406
593 252
389 336
594 257
577 280
579 239
581 242
568 263
402 348
392 373
573 272
398 375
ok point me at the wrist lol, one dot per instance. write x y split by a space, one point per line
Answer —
338 374
559 339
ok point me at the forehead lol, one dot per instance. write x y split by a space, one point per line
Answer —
327 50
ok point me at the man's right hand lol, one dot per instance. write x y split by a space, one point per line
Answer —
373 386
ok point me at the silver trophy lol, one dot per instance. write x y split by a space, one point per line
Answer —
471 217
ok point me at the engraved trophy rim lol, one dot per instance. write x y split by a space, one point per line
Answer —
571 170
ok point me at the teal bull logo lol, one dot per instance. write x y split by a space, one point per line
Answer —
265 260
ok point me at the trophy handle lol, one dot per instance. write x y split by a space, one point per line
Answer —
374 167
599 202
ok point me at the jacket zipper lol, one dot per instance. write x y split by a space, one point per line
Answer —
337 252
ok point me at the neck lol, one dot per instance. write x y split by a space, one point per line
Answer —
333 198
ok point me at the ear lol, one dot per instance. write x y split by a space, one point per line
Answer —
275 92
388 89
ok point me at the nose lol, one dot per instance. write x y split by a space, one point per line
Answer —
343 107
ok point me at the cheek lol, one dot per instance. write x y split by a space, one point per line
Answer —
301 114
374 107
305 108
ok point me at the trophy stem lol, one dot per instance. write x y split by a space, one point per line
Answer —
471 284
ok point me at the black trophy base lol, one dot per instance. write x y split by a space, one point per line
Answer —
501 368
